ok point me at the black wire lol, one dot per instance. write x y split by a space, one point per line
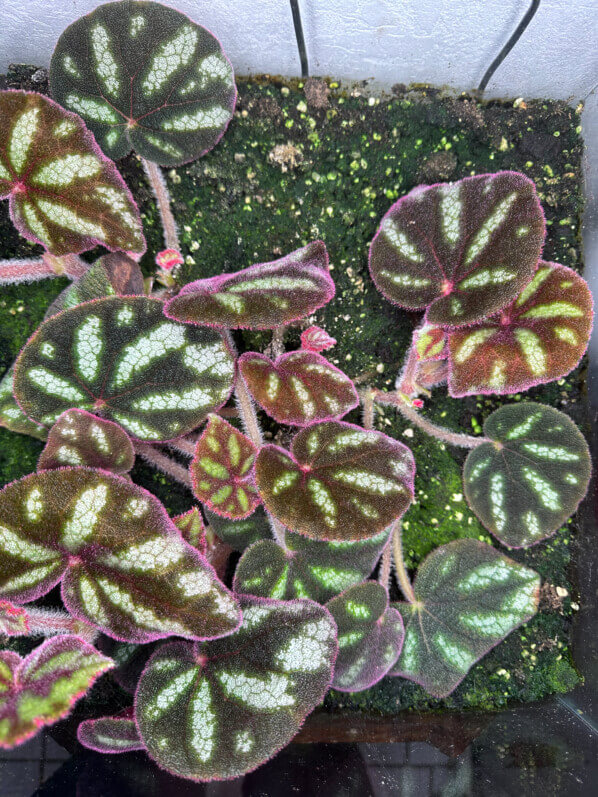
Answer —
516 35
300 39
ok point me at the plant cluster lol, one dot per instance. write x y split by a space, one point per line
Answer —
123 367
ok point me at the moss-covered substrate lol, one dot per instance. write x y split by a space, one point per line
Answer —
287 173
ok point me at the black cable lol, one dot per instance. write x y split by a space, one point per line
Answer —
516 35
300 39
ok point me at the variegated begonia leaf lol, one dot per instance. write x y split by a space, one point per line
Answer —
240 534
14 620
263 296
192 529
123 564
468 598
339 482
217 710
430 343
370 636
42 688
222 470
316 339
116 734
529 476
306 568
463 250
11 415
80 438
538 338
122 359
298 388
63 192
145 77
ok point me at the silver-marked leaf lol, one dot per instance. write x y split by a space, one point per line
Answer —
63 192
122 359
123 564
145 77
80 438
469 598
263 296
14 620
11 415
192 529
43 687
339 482
240 534
463 250
538 338
370 636
306 568
530 475
117 734
298 388
217 710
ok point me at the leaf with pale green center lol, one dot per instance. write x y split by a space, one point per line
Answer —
339 482
222 470
11 415
192 529
146 78
240 534
531 474
299 387
63 192
370 636
42 688
463 250
122 359
80 438
429 343
538 338
14 620
117 734
123 564
469 598
217 710
306 568
263 296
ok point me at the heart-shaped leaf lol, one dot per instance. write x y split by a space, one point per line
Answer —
222 470
263 296
218 710
117 734
43 687
538 338
339 482
121 358
123 564
11 415
469 598
370 636
306 568
79 438
299 387
463 250
531 475
63 192
14 620
145 77
240 534
191 526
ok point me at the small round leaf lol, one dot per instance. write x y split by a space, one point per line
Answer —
110 734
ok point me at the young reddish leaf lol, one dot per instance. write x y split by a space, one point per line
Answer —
299 387
167 259
123 564
192 529
79 438
469 598
43 687
316 339
263 296
538 338
145 77
63 192
11 415
117 734
14 620
240 534
431 373
339 482
222 470
463 250
430 343
121 358
370 636
531 474
218 710
306 568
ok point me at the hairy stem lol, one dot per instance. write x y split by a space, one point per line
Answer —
369 409
405 382
49 622
277 344
164 463
385 566
399 563
160 189
183 446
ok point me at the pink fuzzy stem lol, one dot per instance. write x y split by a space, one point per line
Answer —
160 189
399 563
183 446
49 622
406 379
385 566
13 272
162 462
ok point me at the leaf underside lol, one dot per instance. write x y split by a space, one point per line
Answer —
263 296
469 598
339 482
123 565
527 482
11 415
218 710
14 620
63 192
464 250
110 735
240 534
146 78
121 358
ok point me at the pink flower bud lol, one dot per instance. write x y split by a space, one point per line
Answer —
316 339
167 259
418 403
